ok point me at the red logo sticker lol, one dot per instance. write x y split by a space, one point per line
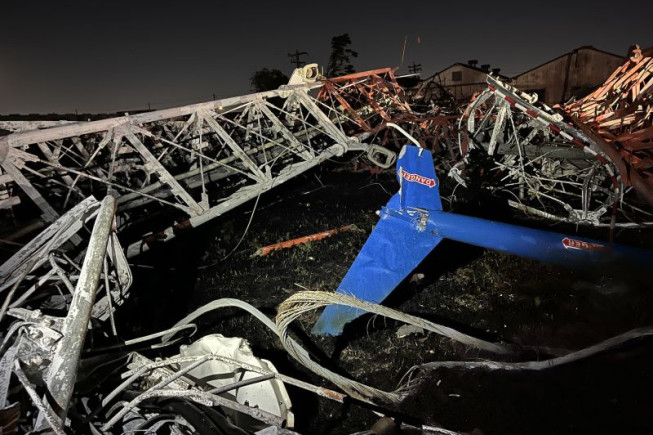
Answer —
416 178
582 245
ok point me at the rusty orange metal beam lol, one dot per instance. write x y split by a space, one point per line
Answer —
260 252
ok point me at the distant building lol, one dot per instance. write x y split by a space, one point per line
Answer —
555 81
573 73
461 80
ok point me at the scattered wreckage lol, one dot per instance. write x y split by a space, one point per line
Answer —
71 372
586 163
166 171
213 384
46 357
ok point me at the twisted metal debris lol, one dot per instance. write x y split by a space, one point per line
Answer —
44 351
619 116
541 163
181 167
372 99
49 347
588 163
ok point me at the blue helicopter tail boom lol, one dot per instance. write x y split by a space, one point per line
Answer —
413 223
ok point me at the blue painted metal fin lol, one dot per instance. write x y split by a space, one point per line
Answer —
393 250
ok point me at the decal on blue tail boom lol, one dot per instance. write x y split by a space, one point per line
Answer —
418 184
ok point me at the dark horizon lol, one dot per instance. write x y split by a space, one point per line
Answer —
110 56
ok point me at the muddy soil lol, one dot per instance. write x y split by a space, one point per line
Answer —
491 295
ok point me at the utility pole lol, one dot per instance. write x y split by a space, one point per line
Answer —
294 58
415 68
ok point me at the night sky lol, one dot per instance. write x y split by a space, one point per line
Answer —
99 56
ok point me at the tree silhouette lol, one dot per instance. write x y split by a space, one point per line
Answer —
339 61
267 79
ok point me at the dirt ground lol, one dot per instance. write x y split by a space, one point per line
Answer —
487 294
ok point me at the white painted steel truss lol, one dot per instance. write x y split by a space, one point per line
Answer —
176 168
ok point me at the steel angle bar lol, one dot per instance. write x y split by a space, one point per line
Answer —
323 120
48 213
63 370
305 152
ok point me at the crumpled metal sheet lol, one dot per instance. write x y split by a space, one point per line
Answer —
270 395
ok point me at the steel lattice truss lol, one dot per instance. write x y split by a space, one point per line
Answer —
527 153
371 99
176 168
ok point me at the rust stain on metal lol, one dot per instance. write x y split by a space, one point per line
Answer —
330 394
